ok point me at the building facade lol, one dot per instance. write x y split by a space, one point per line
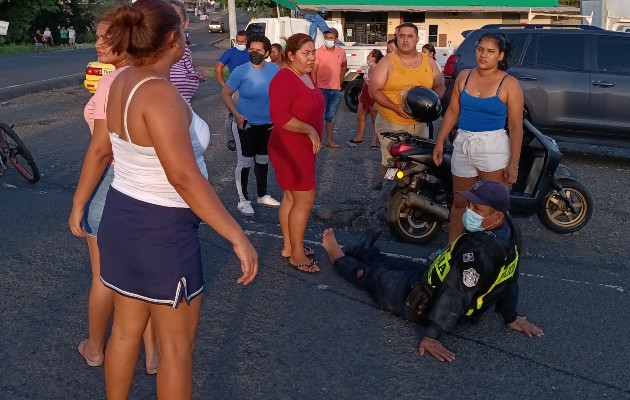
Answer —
440 23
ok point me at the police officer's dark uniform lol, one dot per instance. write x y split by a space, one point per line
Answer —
476 271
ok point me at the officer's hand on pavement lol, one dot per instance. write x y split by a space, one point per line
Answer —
400 111
522 325
436 349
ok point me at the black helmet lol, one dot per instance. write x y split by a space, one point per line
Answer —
422 104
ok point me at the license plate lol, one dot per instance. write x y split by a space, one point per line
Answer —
391 173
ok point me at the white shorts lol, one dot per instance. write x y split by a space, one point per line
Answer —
479 151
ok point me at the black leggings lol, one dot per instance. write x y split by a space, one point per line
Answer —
251 150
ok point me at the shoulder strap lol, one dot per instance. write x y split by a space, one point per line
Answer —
501 84
467 77
133 91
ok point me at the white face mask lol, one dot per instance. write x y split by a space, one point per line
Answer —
240 47
329 43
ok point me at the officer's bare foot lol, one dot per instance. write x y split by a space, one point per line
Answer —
330 244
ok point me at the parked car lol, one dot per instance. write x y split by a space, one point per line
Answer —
575 79
93 73
216 26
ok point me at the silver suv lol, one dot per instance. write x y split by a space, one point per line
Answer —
576 79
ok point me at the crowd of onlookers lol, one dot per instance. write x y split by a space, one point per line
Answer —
63 36
144 188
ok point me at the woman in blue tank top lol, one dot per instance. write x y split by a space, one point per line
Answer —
483 98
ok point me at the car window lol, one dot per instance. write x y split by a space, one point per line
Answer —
517 43
556 52
256 28
613 54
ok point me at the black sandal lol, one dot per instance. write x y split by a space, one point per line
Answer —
306 268
308 252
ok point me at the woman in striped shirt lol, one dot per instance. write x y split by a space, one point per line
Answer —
183 74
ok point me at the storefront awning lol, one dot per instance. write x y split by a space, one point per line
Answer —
290 4
431 3
411 8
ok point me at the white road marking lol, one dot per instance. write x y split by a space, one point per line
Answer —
45 80
316 243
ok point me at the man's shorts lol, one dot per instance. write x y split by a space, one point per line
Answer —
382 125
332 98
479 151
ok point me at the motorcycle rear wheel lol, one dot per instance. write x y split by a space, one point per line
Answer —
409 225
556 215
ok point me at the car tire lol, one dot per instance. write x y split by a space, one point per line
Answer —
351 94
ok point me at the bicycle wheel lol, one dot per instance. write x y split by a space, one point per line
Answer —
16 151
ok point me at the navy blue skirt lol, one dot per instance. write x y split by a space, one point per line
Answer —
150 252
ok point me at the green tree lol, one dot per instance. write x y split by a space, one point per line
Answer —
25 16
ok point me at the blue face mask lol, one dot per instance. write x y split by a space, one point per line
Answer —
472 221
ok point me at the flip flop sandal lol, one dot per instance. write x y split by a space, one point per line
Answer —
308 252
89 362
374 147
306 268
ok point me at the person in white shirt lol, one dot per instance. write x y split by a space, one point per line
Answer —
72 36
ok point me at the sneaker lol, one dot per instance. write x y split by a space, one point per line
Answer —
268 201
231 145
245 208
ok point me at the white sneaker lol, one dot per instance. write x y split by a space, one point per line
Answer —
268 201
245 208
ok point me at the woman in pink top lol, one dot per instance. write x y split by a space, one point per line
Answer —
87 208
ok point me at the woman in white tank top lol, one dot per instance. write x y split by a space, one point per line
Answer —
150 252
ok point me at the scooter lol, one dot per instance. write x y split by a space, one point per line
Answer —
419 194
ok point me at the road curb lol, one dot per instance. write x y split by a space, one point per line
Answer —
11 93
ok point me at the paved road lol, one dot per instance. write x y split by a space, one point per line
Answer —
35 72
291 335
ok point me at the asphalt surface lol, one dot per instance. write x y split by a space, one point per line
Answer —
291 335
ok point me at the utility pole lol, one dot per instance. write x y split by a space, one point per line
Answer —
232 19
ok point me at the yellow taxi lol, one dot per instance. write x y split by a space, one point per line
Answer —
93 73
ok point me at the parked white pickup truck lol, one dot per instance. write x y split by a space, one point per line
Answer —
279 29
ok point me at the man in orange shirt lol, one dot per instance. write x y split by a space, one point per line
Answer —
328 73
402 69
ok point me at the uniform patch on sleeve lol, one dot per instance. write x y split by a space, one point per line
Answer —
469 257
471 277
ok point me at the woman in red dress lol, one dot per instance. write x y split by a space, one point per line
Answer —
297 112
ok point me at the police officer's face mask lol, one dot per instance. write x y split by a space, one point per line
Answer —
472 221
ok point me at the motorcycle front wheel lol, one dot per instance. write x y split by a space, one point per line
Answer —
408 224
556 215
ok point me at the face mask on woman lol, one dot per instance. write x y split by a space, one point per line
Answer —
329 43
369 63
240 47
472 221
256 58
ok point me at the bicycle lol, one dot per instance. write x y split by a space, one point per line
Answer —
13 149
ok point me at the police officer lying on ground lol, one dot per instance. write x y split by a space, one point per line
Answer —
477 270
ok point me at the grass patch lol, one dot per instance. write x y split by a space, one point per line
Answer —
209 71
17 48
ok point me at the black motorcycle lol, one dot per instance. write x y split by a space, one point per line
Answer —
420 194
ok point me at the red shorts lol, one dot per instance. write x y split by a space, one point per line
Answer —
365 98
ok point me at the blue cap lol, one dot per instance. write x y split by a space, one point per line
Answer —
489 193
